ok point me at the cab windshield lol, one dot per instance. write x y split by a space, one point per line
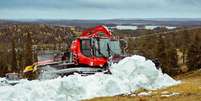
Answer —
100 47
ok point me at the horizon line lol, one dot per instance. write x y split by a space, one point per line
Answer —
37 19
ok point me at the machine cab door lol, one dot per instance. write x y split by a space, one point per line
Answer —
86 47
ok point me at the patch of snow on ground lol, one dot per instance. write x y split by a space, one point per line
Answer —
145 93
128 75
169 95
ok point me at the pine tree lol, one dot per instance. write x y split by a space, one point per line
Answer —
185 40
194 54
14 58
161 54
28 50
172 59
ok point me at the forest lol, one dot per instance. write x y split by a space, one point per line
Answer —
178 51
20 44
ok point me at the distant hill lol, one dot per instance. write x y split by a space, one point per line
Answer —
112 22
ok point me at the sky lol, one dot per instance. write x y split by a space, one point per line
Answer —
99 9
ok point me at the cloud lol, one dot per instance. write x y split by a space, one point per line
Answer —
99 8
73 4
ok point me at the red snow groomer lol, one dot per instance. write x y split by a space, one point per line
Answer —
92 52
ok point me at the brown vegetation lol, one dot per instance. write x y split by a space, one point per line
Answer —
170 48
19 44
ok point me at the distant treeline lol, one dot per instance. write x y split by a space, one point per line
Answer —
178 51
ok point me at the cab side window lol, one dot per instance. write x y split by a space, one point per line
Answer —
86 47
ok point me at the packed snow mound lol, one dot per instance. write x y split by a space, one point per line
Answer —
3 82
128 75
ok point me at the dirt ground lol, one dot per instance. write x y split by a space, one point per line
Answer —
188 90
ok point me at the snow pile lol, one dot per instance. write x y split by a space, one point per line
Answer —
127 76
3 82
6 82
